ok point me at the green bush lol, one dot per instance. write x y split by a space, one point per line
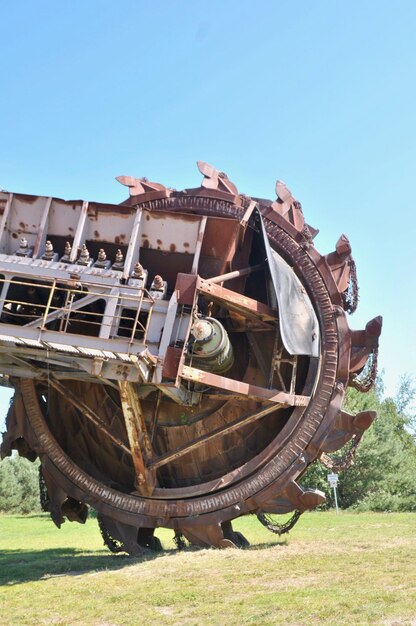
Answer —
383 476
19 486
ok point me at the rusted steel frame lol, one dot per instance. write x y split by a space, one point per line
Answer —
214 179
346 426
276 360
364 342
268 212
184 293
170 392
258 354
137 186
10 355
20 372
245 389
218 432
135 510
293 375
338 262
85 410
229 252
236 274
293 496
244 222
198 200
325 271
130 507
248 326
287 206
155 416
23 362
276 368
236 302
140 444
248 213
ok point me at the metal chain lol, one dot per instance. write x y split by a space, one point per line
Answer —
350 295
43 493
278 529
366 379
339 465
114 545
179 540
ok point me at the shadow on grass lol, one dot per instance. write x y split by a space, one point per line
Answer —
267 546
20 566
28 516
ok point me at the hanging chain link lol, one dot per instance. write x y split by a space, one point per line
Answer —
43 493
350 295
179 540
339 465
274 527
114 545
366 379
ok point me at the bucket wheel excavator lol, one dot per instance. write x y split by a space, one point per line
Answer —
178 359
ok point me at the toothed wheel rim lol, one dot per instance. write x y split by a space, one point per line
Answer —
293 448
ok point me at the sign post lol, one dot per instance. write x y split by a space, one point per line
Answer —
333 481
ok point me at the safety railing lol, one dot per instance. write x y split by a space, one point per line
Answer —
87 309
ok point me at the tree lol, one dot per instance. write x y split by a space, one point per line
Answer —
404 400
383 476
19 485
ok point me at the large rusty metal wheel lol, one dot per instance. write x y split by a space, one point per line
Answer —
194 466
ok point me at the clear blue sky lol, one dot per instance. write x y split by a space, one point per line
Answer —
319 94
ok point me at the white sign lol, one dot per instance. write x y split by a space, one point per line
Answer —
333 480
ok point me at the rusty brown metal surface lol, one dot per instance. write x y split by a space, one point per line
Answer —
247 307
140 444
127 409
241 388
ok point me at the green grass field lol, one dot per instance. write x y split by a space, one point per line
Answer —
349 569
